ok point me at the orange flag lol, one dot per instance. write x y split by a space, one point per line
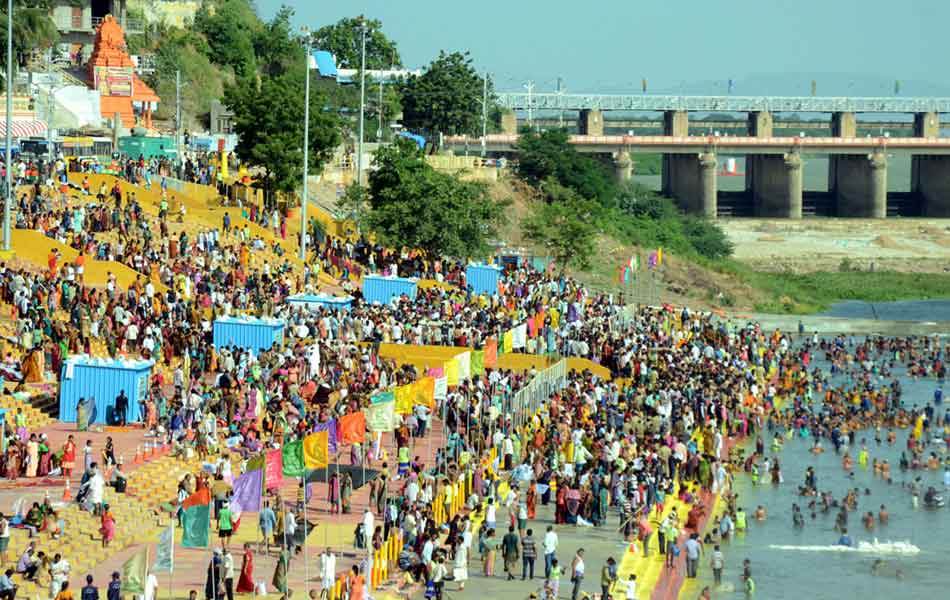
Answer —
491 354
425 391
351 429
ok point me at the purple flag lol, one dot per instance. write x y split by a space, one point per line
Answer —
330 428
653 260
246 494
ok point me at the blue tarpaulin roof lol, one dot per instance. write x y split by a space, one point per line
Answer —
418 139
326 64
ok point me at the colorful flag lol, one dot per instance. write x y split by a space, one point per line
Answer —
316 451
352 428
135 571
626 275
651 262
465 364
441 391
436 372
381 417
331 429
292 459
246 492
634 263
425 391
507 341
382 397
451 368
165 552
195 520
404 398
478 362
491 354
659 256
274 469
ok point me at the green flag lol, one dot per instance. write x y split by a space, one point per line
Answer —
292 455
135 572
196 519
478 362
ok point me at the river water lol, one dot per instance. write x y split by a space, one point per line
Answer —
910 310
807 564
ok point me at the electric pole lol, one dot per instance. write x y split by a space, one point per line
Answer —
359 149
484 111
530 87
306 147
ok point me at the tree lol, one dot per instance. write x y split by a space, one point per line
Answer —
275 45
549 155
33 31
269 122
230 26
411 204
446 98
343 39
563 224
202 81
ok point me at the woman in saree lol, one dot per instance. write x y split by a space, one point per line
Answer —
69 456
46 456
245 583
33 456
531 498
82 415
107 528
334 493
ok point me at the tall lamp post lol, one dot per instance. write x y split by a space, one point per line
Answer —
8 195
306 146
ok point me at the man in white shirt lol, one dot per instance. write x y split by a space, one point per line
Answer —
327 572
369 525
550 550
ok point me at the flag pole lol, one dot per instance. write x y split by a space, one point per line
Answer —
306 554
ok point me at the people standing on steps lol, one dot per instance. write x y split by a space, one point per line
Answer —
608 576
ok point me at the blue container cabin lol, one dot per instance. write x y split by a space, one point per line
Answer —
100 381
250 333
483 279
383 289
318 301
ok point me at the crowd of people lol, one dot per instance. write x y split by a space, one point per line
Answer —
685 387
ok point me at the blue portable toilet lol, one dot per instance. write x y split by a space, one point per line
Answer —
250 333
377 288
318 301
483 279
102 380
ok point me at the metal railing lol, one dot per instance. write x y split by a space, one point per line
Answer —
649 102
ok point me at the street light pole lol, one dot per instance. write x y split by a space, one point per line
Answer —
306 149
359 151
8 197
484 111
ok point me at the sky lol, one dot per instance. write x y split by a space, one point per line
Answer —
765 46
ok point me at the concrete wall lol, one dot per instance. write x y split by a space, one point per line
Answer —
927 125
590 122
844 124
930 177
676 123
692 181
760 124
859 184
775 183
509 122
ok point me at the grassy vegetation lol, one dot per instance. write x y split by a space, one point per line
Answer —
814 292
648 164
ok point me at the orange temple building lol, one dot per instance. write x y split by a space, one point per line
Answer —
112 73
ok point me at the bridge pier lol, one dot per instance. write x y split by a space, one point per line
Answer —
858 183
623 166
776 185
927 125
590 122
930 178
760 124
844 124
692 180
509 122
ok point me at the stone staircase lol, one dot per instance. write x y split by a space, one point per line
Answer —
81 542
156 482
37 415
